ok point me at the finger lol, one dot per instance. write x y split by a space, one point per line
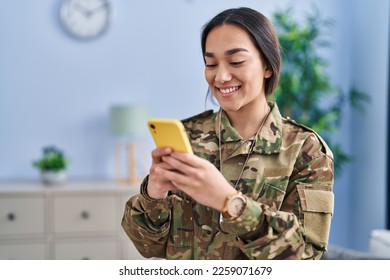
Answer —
166 166
189 159
162 165
172 175
160 152
179 166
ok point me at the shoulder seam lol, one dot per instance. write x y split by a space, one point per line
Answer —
328 151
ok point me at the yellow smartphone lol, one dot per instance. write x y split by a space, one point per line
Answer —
170 133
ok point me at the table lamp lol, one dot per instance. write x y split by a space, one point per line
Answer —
129 121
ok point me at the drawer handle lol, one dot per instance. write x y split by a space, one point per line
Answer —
11 217
85 215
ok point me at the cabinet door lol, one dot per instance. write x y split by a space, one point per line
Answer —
86 250
22 215
84 214
23 250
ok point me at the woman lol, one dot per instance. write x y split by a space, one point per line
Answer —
259 186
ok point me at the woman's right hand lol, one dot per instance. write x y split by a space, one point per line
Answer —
158 186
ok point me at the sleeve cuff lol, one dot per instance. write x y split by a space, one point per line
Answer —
157 210
246 222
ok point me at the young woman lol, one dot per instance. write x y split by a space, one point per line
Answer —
258 186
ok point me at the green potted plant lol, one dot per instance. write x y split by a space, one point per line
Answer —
305 92
53 165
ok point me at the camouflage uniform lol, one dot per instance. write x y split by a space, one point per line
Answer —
288 181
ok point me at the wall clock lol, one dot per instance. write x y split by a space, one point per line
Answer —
85 19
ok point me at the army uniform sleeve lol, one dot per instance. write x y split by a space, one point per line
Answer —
146 222
310 196
300 228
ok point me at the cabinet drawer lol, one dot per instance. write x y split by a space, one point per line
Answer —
84 214
98 250
23 251
22 215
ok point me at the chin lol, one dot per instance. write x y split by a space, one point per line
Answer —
231 104
230 107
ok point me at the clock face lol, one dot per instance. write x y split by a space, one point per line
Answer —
85 18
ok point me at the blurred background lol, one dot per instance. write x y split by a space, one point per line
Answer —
57 89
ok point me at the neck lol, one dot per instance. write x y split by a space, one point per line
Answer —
247 129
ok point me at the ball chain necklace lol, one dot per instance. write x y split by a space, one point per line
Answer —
250 149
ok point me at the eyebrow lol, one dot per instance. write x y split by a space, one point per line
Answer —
228 52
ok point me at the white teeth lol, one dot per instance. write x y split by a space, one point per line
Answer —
228 90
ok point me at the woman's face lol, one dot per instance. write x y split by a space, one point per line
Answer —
234 69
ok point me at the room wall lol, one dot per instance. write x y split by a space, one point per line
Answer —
58 90
369 131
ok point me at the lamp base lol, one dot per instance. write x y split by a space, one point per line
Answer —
131 178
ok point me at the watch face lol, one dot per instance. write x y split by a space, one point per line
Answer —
85 18
236 206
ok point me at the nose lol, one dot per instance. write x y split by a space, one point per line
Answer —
223 74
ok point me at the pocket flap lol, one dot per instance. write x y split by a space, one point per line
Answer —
317 200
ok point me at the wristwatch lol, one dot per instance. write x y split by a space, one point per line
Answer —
234 206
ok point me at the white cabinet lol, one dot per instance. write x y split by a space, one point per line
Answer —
22 215
23 250
96 249
79 220
84 213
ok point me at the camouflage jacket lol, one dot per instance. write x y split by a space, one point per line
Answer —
288 181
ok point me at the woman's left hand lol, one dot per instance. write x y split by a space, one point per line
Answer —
198 178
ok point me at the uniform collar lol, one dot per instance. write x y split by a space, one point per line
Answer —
269 139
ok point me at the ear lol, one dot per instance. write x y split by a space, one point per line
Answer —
267 73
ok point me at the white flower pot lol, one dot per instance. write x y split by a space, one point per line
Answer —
53 177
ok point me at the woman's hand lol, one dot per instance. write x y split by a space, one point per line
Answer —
158 186
196 177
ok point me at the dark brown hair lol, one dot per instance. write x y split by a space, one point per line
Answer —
260 30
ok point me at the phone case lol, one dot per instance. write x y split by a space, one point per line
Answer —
170 133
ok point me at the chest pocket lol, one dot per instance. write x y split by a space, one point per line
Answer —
275 181
272 196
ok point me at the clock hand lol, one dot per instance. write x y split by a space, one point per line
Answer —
86 10
98 8
82 9
90 12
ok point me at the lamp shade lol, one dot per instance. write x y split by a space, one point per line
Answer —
129 119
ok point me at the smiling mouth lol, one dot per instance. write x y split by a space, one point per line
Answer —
228 91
